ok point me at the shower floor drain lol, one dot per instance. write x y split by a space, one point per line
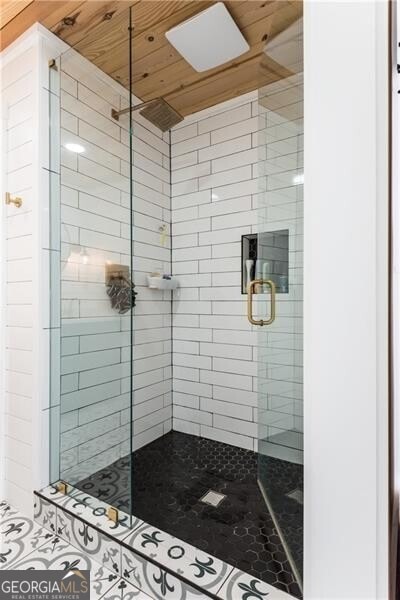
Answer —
212 498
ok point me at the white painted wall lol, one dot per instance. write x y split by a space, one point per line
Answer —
395 273
346 293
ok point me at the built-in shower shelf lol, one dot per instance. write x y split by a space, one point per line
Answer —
159 283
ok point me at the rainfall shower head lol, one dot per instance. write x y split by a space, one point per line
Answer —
161 114
157 111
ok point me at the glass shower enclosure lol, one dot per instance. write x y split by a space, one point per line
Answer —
280 255
92 294
93 319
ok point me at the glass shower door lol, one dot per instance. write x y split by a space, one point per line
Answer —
91 277
280 270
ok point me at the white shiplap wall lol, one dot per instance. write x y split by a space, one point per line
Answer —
214 195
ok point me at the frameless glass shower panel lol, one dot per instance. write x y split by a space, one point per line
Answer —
280 256
91 222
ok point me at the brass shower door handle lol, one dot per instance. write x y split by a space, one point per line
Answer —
250 292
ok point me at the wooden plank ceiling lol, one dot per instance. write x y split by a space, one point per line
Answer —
99 31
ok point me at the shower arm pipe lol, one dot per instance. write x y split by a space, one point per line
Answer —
117 113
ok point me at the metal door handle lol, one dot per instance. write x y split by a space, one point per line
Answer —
250 291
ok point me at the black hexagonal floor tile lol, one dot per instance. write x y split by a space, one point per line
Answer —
171 474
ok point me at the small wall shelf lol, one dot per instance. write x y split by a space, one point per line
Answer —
159 283
266 256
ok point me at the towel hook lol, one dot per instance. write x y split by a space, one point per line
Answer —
16 200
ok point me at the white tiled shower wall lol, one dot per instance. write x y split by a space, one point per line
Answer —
214 156
214 186
95 213
95 217
280 201
214 202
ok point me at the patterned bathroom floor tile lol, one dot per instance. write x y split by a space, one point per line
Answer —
125 591
33 547
5 510
19 536
44 513
59 555
93 511
90 541
154 581
242 586
191 563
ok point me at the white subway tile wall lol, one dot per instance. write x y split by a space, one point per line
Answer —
215 200
17 94
25 248
280 374
95 230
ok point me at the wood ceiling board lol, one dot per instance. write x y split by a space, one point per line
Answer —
148 58
60 12
51 13
148 13
93 18
145 43
149 43
47 12
111 38
150 68
176 74
10 9
246 13
235 81
163 68
158 68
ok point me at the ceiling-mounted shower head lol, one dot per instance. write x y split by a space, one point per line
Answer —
157 111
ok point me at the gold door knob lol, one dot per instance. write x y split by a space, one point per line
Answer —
16 200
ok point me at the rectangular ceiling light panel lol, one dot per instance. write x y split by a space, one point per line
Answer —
208 39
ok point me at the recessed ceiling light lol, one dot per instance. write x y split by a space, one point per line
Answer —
214 196
208 39
75 148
